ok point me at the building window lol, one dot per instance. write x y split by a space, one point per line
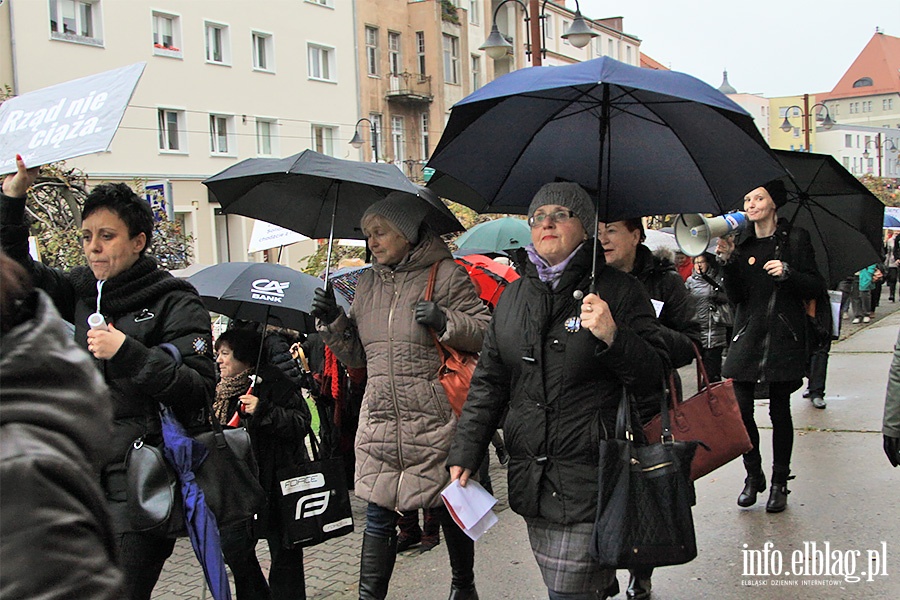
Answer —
76 21
217 44
394 53
473 12
372 51
796 132
321 63
846 161
221 129
426 148
171 129
565 28
323 139
628 54
420 52
610 48
548 25
598 45
166 35
848 140
263 51
476 72
451 59
265 137
397 140
863 82
375 118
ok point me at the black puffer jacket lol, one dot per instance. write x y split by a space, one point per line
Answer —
278 428
167 354
556 386
663 283
55 417
770 329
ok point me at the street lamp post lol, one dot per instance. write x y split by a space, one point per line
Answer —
357 140
827 123
886 144
579 33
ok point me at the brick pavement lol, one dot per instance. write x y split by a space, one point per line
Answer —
332 568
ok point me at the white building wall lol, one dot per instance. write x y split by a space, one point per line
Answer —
848 144
186 81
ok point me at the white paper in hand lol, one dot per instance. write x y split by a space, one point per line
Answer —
470 507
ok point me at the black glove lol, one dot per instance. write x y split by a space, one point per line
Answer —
892 449
429 314
324 306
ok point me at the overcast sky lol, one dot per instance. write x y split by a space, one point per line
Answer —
772 47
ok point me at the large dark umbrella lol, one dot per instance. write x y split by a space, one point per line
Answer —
317 195
643 141
186 454
843 218
261 292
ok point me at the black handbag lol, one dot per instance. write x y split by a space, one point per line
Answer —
314 504
645 498
229 478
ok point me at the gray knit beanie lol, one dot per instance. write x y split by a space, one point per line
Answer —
570 195
404 211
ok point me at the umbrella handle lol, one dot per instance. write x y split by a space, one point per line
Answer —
236 419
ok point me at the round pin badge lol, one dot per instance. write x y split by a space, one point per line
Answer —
752 260
573 324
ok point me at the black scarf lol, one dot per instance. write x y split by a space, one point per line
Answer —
138 285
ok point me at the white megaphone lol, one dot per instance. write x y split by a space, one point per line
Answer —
694 231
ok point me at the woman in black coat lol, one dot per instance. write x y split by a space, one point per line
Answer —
277 419
769 273
557 357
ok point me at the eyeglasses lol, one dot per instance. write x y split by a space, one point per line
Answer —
560 216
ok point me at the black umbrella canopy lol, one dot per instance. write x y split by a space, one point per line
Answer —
261 292
843 218
309 191
647 142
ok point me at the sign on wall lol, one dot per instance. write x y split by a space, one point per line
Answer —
66 120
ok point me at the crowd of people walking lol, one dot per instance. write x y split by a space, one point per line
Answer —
594 312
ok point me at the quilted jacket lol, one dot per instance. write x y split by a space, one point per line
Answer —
405 423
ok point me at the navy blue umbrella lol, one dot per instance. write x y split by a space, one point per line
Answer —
186 454
642 141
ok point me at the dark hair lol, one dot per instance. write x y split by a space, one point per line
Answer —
635 225
15 287
128 206
244 344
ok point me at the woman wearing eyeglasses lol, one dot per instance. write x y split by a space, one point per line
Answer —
556 357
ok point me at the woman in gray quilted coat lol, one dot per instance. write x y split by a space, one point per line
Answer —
406 423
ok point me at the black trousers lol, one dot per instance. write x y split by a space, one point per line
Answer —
818 371
779 412
142 557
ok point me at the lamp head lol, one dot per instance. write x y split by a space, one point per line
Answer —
356 141
786 126
579 33
828 122
496 45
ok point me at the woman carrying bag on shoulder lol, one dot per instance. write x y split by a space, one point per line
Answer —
277 418
714 313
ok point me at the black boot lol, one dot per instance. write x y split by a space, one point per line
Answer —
639 584
376 563
753 484
431 528
461 550
778 493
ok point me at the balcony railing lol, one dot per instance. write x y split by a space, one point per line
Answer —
410 88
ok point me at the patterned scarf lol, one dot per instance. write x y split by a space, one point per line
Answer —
546 272
227 390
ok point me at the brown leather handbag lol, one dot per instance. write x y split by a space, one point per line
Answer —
711 416
455 373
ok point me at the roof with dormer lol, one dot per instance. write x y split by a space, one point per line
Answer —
875 71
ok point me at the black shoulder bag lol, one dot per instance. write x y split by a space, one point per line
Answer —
645 498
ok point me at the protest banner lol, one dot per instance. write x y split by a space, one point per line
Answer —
66 120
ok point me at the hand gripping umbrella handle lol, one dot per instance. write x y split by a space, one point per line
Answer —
236 418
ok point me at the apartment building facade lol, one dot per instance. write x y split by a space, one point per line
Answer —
224 81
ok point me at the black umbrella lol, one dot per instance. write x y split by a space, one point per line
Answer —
318 195
261 292
843 218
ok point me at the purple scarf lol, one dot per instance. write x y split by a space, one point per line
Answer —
546 272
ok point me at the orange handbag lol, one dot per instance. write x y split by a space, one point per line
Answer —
711 416
455 373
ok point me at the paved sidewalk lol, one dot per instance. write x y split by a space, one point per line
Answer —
845 495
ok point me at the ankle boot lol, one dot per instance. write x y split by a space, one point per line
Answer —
431 529
778 493
461 551
376 563
639 584
410 532
753 484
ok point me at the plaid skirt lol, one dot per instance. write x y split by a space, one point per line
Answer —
561 552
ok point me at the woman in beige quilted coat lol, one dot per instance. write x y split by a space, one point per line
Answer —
406 423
